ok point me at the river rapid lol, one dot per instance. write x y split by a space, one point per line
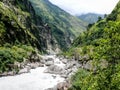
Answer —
36 79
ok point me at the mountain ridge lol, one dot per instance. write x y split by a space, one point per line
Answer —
60 21
90 17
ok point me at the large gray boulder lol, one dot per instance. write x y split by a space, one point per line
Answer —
24 70
70 64
49 61
54 69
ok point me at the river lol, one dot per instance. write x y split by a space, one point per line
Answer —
36 79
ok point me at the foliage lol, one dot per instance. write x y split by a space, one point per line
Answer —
78 78
90 17
11 54
102 43
11 28
64 27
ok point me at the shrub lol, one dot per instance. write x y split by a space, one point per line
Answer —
11 54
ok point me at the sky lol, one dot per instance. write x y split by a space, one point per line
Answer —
77 7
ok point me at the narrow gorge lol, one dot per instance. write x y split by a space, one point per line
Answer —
43 47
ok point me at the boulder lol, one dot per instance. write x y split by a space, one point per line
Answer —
54 69
49 63
64 61
49 59
43 61
70 64
63 85
25 70
11 73
34 65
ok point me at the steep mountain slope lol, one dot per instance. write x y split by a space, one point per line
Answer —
21 31
99 45
64 26
90 17
115 15
19 23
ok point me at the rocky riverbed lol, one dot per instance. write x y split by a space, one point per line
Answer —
51 73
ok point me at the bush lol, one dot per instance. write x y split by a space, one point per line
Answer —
11 54
78 78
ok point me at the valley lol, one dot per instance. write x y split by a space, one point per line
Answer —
42 47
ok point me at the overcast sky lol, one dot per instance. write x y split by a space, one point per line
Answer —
77 7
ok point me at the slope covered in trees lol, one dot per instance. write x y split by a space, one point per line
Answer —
29 25
90 17
21 31
64 26
101 45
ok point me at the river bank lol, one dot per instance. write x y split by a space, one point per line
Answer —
50 73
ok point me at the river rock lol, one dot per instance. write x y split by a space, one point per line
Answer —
63 86
64 61
24 70
78 65
11 73
35 57
70 64
49 61
54 69
42 61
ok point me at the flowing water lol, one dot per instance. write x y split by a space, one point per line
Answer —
35 80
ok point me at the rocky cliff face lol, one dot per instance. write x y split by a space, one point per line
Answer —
20 24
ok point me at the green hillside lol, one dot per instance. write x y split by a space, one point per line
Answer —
26 30
100 44
64 27
22 32
90 17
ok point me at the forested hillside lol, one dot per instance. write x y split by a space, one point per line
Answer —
22 32
100 47
64 26
27 26
90 17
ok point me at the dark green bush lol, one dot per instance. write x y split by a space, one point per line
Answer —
11 54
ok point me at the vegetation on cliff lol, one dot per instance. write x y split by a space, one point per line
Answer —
17 37
101 43
23 25
64 26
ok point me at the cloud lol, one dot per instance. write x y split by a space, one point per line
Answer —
85 6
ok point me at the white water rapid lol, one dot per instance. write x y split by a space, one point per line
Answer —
35 80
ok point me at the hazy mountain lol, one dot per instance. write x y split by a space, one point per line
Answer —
90 17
